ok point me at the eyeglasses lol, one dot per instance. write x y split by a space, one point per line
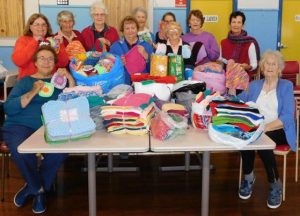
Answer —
43 25
44 59
98 14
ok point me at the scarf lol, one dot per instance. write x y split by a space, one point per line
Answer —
238 40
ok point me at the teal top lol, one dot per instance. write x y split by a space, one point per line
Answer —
30 116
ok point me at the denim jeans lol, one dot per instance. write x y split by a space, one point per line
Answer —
35 177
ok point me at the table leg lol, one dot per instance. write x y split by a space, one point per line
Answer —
92 184
205 184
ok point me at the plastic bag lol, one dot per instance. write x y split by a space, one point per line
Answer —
165 126
160 90
107 80
226 139
159 65
176 67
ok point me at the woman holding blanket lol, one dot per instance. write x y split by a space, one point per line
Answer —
140 49
274 98
23 118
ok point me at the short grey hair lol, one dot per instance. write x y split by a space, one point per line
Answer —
63 15
139 9
96 6
276 55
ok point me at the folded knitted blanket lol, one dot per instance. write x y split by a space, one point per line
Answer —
67 120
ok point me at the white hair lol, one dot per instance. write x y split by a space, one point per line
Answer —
98 5
139 9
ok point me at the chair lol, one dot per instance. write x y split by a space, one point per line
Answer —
284 150
5 165
9 82
291 71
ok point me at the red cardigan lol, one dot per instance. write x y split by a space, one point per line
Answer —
228 48
111 34
23 52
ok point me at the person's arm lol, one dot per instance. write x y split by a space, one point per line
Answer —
252 57
287 113
112 37
274 125
27 97
24 50
19 97
213 51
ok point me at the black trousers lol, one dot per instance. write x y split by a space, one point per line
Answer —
267 156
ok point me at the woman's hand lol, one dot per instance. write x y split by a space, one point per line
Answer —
143 52
63 72
104 41
67 74
58 38
246 66
37 86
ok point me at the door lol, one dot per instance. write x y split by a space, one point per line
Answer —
216 14
290 31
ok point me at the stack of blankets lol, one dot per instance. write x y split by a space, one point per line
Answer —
67 120
236 119
129 114
175 108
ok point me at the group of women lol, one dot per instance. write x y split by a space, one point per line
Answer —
37 62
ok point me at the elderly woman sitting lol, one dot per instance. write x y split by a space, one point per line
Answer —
176 46
23 118
275 100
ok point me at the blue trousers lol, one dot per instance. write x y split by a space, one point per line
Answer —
35 177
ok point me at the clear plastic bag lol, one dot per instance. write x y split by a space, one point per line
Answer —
165 126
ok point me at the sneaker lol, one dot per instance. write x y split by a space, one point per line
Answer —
38 205
275 195
22 196
245 190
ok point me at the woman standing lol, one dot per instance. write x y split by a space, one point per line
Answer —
66 22
99 36
143 32
197 37
167 18
36 31
129 28
23 118
275 100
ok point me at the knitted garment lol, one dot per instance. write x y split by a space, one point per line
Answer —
236 76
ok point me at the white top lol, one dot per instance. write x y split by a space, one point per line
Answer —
267 105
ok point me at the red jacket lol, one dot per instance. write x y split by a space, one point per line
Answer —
111 34
23 52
